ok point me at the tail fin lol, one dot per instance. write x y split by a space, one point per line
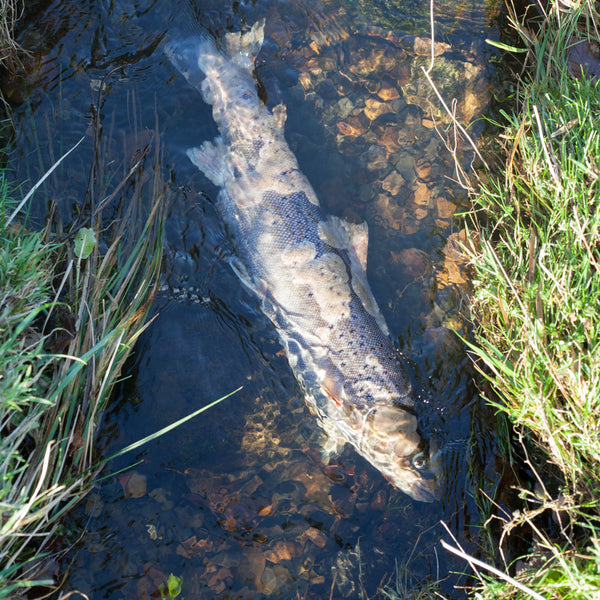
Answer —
192 56
243 48
189 56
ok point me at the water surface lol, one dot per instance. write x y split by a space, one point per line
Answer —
238 503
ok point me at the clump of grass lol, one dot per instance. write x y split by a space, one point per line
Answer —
10 50
69 316
537 294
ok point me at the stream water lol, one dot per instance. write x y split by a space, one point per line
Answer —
238 503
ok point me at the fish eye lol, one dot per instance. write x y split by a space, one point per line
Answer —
419 461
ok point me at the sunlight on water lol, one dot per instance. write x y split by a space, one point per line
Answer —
239 503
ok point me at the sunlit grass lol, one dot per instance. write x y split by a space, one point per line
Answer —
537 297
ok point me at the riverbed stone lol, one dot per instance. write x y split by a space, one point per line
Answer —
393 183
415 262
423 169
421 195
375 158
445 208
455 262
404 162
388 91
305 81
409 226
375 108
353 126
389 139
388 209
344 107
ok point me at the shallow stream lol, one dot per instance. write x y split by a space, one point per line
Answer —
238 503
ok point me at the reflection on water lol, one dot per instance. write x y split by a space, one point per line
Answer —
238 502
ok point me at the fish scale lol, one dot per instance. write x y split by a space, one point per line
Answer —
308 270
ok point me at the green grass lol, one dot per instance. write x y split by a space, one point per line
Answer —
69 317
537 297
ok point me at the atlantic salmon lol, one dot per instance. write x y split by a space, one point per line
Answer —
307 268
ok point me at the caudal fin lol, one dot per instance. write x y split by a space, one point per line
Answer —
193 56
242 48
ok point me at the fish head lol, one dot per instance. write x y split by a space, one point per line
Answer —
390 439
384 429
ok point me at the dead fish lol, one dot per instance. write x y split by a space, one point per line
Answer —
307 268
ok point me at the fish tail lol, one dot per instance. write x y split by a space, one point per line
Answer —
196 55
242 48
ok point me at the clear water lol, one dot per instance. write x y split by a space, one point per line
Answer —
238 502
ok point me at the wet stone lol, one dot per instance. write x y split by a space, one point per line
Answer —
133 484
328 63
454 270
404 163
389 210
373 86
444 207
422 195
388 91
375 159
476 98
393 183
451 77
423 169
411 115
274 577
353 126
375 108
162 497
422 47
369 56
305 81
415 262
409 227
326 90
389 139
344 107
94 505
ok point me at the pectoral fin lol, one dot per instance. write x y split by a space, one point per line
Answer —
211 159
354 238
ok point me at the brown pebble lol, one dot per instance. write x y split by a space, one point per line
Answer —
421 195
423 169
375 108
445 208
133 484
388 92
393 183
353 126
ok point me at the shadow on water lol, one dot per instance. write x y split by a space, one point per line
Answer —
238 502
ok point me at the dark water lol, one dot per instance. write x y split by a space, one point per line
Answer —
238 502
